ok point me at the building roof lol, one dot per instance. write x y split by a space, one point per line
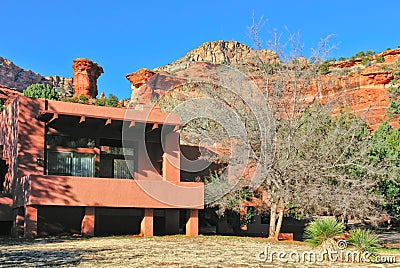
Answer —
143 113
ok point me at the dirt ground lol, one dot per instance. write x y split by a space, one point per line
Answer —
168 251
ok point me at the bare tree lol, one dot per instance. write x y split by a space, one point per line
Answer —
287 150
320 164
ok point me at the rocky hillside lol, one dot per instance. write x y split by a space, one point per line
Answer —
221 52
360 83
15 77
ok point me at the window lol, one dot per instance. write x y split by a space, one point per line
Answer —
71 164
123 168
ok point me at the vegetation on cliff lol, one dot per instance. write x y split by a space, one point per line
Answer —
41 91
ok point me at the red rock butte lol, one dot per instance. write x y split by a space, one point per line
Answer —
86 73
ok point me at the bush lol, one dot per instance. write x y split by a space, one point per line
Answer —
100 102
83 99
112 101
342 59
321 232
2 106
366 61
41 91
369 53
73 100
364 240
360 54
324 68
380 59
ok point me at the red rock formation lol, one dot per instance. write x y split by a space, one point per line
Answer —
138 79
349 84
86 73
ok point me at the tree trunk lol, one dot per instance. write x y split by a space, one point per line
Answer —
280 220
272 221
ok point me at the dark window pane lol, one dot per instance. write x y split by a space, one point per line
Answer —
71 164
123 168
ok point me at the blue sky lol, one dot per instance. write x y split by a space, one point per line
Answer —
123 36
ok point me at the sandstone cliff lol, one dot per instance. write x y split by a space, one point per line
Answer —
221 52
15 77
360 85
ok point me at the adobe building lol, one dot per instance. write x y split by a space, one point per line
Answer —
68 168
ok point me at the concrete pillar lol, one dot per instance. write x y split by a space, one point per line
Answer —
146 227
192 225
30 219
88 221
171 221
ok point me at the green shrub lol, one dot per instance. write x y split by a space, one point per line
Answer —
369 53
41 91
83 99
324 68
100 102
2 106
342 59
73 100
112 101
380 59
364 240
360 54
322 232
366 61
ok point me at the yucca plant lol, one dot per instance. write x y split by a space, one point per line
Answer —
322 232
364 240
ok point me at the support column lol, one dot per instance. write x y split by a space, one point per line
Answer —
88 221
171 221
192 225
146 227
30 219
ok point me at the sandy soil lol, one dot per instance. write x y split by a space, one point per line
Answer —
169 251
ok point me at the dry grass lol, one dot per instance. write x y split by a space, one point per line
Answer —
168 251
